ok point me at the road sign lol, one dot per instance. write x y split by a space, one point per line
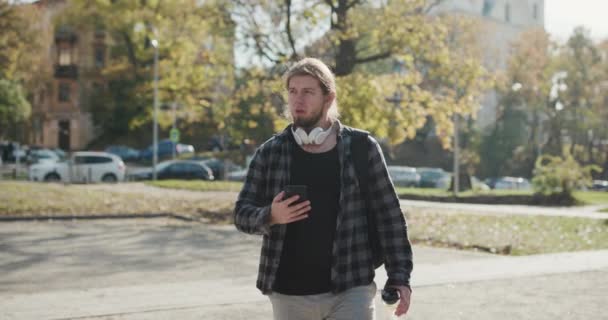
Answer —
174 135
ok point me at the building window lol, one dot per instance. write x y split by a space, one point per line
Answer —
100 57
64 92
535 11
65 56
507 12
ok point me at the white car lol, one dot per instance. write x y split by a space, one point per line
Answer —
82 167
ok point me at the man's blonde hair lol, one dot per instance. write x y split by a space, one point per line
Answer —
320 71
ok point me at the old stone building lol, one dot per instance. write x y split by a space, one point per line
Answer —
60 117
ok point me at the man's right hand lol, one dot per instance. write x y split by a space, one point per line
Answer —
282 211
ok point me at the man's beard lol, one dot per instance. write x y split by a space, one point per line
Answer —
310 123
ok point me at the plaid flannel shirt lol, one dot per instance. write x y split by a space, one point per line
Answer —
352 264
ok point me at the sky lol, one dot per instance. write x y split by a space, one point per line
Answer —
562 16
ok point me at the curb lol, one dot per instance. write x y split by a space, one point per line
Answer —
98 217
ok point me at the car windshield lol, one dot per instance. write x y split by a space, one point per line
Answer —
163 165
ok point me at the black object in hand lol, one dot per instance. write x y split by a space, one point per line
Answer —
390 295
300 190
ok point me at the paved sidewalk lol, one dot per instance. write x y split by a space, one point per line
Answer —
229 296
171 270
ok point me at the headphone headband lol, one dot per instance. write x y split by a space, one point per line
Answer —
316 136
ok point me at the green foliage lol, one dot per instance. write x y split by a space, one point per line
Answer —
255 111
195 62
23 65
14 107
564 174
441 73
497 148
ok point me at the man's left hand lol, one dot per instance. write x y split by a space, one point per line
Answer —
404 300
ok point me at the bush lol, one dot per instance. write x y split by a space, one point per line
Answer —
553 174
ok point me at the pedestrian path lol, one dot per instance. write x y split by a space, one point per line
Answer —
165 298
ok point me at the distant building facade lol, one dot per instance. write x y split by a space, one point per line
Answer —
60 116
502 22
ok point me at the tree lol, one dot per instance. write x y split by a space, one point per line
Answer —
552 97
517 137
195 62
441 77
581 59
14 107
23 66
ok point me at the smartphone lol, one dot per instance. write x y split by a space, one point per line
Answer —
292 190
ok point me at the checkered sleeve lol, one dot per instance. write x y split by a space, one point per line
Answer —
392 227
251 214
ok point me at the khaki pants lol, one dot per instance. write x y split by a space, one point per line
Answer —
353 304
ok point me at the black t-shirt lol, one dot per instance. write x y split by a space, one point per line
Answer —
305 265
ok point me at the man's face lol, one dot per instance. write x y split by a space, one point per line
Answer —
307 103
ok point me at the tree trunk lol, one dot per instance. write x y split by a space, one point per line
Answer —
346 55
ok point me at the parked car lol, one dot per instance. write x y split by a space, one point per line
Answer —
403 176
599 185
479 185
512 183
433 178
176 169
239 175
42 155
81 167
221 168
165 150
125 153
10 151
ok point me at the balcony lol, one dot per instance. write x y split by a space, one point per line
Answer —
70 71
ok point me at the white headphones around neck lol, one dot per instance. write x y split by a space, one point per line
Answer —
316 136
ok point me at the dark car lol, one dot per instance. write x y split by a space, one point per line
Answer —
166 149
221 168
599 185
433 178
404 176
176 169
124 152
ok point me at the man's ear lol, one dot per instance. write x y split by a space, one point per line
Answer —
329 98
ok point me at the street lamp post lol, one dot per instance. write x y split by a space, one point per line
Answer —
456 168
154 43
173 106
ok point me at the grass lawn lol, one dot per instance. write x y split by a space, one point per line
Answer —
30 199
592 197
197 185
584 197
515 235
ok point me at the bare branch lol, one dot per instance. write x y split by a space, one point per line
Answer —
431 5
374 57
294 54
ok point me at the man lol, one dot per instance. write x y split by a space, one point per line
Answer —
316 261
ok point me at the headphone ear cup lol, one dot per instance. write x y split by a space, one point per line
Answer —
313 136
300 136
320 136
